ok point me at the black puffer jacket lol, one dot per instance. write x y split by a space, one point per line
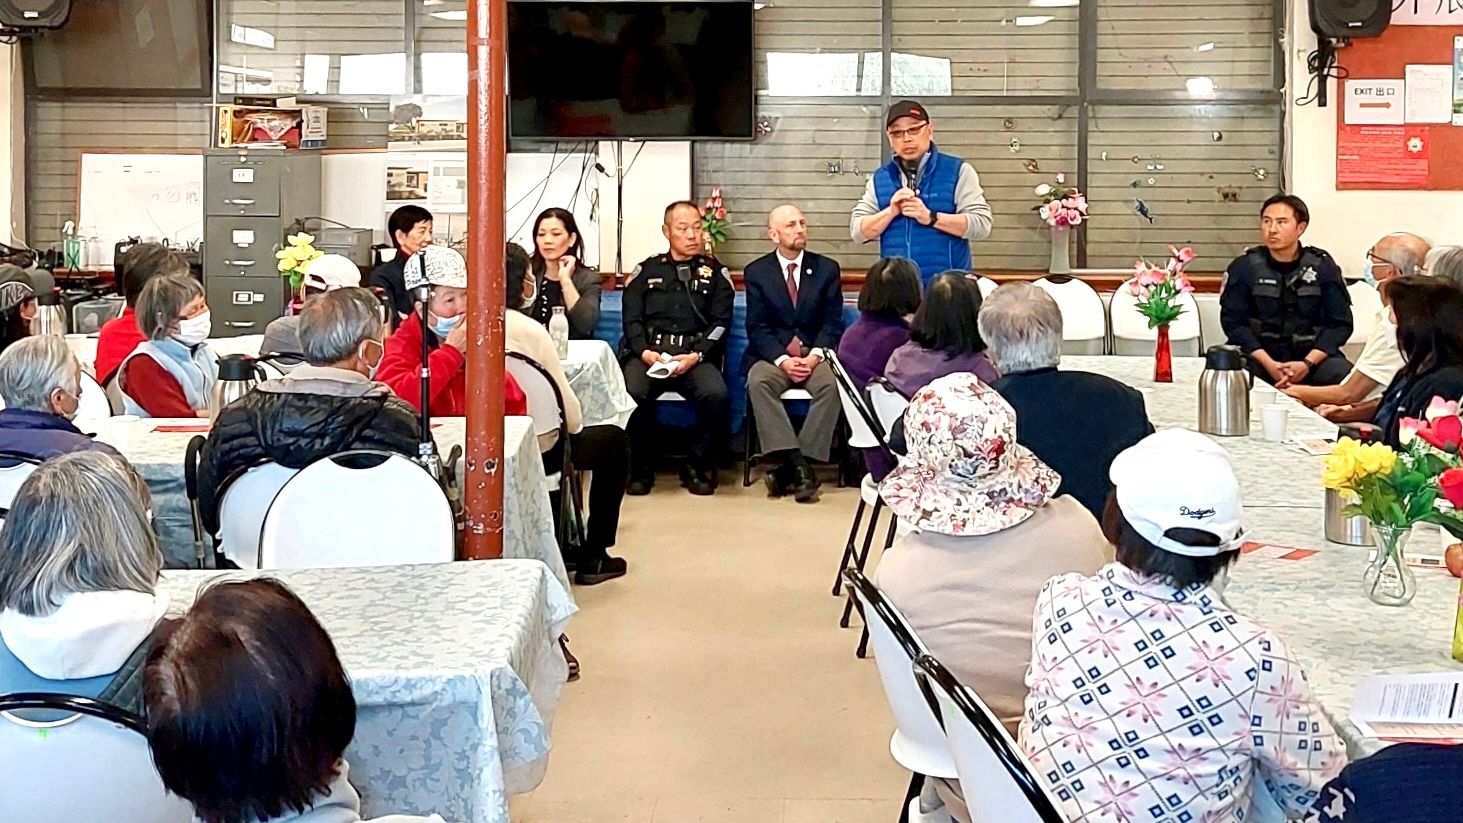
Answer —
285 422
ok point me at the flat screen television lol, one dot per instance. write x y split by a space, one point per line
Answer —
675 70
125 48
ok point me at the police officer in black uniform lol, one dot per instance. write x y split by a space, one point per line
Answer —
678 310
1286 305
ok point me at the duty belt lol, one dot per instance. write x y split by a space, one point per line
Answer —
666 340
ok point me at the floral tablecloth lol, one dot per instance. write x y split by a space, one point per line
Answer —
527 516
599 383
456 671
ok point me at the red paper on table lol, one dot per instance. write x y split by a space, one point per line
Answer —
1391 157
183 428
1276 552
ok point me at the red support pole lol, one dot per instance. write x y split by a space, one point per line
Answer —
487 173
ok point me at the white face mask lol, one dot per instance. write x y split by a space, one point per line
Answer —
194 330
532 295
371 367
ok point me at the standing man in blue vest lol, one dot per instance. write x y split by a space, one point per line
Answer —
922 204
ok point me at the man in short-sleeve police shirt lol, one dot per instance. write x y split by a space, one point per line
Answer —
1286 305
678 309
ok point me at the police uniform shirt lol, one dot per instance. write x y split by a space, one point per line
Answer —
678 307
1285 308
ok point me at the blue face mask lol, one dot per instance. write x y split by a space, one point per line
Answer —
1368 274
444 325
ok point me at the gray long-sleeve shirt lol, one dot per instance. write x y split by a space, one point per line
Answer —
969 201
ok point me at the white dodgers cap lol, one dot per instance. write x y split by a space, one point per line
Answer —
1179 479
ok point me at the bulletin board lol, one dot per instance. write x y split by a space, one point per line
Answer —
1407 156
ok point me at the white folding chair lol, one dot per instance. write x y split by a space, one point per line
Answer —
546 407
986 286
1130 332
918 743
246 500
865 432
90 765
1084 320
889 404
323 517
750 446
1366 302
996 778
93 404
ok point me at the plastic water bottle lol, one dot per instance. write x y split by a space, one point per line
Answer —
559 331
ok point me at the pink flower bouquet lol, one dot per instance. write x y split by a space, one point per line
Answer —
714 219
1158 289
1062 206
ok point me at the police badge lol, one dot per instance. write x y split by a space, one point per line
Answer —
1309 275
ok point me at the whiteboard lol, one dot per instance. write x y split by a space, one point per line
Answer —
153 196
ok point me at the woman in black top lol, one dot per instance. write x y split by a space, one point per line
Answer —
1429 317
562 279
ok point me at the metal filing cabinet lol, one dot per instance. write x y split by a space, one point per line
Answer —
250 196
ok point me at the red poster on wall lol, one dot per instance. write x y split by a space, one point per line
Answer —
1382 157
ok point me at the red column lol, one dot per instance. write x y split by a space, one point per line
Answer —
487 172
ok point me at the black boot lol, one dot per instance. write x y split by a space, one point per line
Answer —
697 480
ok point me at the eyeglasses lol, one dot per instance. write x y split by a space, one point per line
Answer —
1377 260
905 134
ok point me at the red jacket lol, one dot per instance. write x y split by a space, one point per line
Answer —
401 366
117 338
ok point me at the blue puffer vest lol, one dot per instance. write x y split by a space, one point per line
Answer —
934 250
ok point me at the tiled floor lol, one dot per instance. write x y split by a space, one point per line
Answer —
717 685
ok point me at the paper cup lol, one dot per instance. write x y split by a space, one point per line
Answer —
1262 397
120 431
1275 418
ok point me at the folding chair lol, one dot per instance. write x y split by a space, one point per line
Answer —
1084 321
1130 332
546 407
749 445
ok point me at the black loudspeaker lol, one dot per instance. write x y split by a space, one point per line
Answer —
19 15
1349 18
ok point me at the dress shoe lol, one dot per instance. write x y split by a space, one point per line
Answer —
594 572
640 485
778 481
805 487
697 481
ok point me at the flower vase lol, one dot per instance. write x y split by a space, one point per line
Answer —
1163 357
1458 628
1388 580
1060 263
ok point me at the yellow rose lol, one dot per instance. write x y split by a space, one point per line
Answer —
1341 465
1376 459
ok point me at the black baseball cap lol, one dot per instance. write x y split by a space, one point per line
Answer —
906 108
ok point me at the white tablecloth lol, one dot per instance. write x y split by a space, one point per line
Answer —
599 383
1316 605
456 671
528 530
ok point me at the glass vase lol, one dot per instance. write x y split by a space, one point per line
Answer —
1388 580
1060 262
1458 628
1163 357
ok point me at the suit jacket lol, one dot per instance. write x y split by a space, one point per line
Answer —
773 321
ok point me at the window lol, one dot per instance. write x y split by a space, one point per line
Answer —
323 47
1163 107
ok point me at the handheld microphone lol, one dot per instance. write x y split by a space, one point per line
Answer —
422 294
911 173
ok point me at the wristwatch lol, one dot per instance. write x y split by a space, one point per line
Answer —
934 216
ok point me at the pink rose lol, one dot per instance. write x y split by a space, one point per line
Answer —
1407 430
721 214
1441 408
1075 218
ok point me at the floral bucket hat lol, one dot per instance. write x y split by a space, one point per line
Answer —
965 474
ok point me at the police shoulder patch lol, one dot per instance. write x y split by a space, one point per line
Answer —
635 272
726 274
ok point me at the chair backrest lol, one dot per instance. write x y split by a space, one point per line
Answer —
1365 303
1130 332
1084 321
321 517
863 426
919 743
94 747
247 497
94 404
995 776
889 404
545 404
11 477
986 286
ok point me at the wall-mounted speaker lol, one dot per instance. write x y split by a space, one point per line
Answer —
1347 18
19 15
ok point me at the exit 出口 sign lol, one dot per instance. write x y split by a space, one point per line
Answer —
1375 102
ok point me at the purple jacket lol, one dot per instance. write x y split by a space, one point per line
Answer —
912 367
43 436
866 345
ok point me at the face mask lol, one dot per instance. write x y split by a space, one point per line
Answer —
444 325
532 296
194 330
371 367
1368 274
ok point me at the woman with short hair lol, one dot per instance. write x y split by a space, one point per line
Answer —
945 337
40 382
889 297
79 566
560 276
1147 691
172 373
266 741
1429 317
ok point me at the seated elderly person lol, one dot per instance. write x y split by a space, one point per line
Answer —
944 339
326 406
79 568
1393 256
265 742
40 382
171 374
1147 690
120 335
991 531
1369 790
325 273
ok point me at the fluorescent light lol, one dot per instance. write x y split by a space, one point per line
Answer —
1204 47
758 6
431 2
457 14
1034 20
1052 4
1200 86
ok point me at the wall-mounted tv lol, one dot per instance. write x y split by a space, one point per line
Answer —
675 70
125 48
